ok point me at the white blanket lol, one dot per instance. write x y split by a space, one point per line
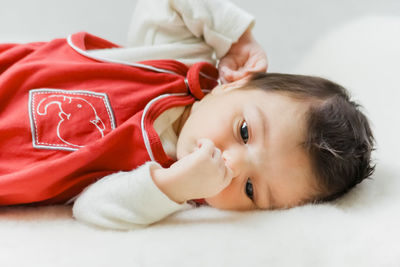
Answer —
360 229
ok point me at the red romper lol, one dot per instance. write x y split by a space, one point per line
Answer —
68 119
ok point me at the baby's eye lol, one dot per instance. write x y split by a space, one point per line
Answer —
244 132
249 189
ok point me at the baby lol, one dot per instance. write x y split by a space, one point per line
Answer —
258 141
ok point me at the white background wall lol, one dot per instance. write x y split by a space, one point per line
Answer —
286 28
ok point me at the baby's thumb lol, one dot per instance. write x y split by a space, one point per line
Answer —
226 74
229 175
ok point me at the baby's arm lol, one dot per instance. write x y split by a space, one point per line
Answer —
130 200
124 201
227 29
185 30
219 23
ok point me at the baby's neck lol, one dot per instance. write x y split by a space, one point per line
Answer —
178 124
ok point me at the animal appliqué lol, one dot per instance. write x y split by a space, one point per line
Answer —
68 120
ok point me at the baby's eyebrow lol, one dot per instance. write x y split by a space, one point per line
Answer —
264 124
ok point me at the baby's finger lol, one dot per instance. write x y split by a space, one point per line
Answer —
261 66
227 62
217 154
257 62
240 74
222 80
206 146
225 74
229 175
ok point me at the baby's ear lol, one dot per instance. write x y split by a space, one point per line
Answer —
226 87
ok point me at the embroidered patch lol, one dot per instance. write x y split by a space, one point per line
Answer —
68 120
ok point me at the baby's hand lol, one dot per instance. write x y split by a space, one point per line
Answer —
245 56
200 174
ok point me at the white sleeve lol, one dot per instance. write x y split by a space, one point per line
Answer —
184 30
124 201
218 23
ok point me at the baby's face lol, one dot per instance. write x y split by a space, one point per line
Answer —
260 135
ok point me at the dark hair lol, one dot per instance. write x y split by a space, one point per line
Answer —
339 139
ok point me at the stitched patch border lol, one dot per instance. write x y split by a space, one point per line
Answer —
85 98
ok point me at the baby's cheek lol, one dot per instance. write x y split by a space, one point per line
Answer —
227 199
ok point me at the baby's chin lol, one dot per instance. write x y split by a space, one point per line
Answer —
182 151
215 202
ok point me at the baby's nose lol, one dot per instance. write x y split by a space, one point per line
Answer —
232 162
